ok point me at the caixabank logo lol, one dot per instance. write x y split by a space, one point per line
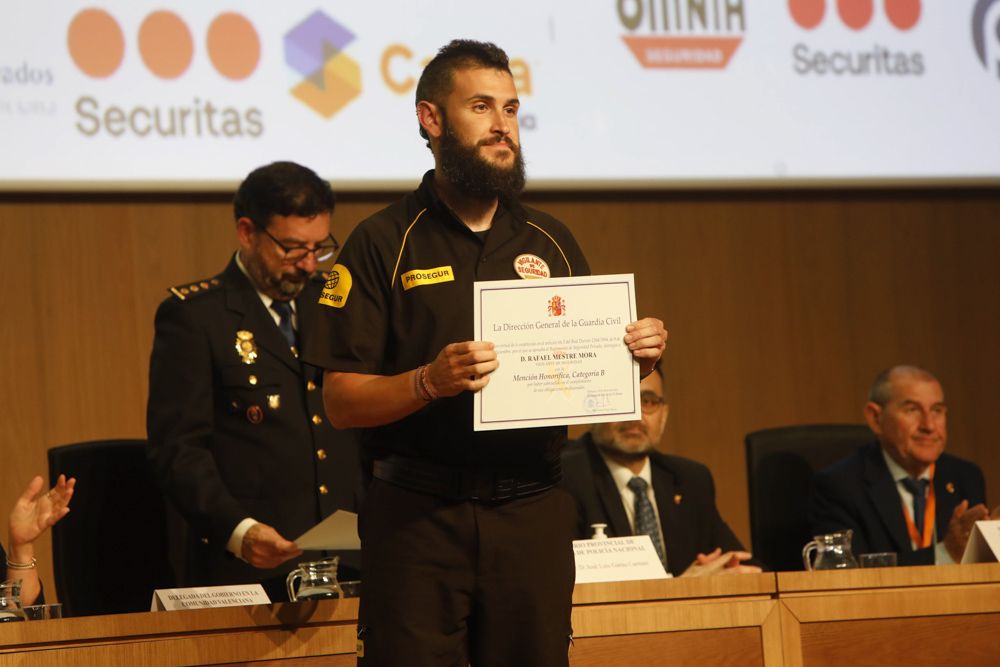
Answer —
315 49
842 23
986 33
682 34
166 44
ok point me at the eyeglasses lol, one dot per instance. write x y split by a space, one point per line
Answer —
296 254
650 402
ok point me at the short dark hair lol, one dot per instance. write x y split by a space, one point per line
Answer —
282 188
881 389
436 80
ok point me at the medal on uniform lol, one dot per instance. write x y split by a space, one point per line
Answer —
246 347
255 414
274 401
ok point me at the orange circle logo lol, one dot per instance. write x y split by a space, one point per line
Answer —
97 44
165 44
855 14
233 46
807 13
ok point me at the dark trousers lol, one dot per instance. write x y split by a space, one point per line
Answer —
460 582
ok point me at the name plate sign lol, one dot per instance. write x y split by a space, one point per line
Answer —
208 597
617 559
984 543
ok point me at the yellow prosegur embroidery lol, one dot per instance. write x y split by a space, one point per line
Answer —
417 277
338 286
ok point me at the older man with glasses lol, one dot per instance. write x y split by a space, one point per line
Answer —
619 479
237 431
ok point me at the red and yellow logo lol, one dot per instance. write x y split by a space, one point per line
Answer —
557 307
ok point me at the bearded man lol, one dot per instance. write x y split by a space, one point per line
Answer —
466 539
618 479
237 433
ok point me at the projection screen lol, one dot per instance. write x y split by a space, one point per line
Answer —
133 95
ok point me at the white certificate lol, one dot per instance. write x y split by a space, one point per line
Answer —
562 356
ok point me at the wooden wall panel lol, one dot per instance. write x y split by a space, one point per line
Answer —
781 308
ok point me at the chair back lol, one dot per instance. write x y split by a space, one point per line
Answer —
780 467
111 551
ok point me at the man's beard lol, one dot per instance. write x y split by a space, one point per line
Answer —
607 438
475 176
284 287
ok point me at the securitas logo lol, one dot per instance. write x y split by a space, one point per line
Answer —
166 45
314 48
683 34
856 16
986 32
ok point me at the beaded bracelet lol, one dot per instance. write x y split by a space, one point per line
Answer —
22 566
418 385
428 391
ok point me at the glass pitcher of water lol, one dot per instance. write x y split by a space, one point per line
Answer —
833 552
317 580
10 602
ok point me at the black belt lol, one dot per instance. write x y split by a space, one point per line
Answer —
485 485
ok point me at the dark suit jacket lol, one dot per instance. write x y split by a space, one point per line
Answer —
230 440
858 493
685 499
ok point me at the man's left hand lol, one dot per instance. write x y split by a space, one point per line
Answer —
646 339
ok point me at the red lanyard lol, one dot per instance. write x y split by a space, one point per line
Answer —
924 541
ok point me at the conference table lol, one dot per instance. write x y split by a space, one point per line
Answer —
934 615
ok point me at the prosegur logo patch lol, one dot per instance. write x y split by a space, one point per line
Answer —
314 48
683 35
983 30
337 287
417 277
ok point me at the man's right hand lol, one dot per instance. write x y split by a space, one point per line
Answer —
462 367
963 519
717 562
263 547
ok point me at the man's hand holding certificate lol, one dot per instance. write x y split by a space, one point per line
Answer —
569 351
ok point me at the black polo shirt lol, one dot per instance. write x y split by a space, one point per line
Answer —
402 289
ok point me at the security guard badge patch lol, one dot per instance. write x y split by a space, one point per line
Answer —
417 277
246 347
337 287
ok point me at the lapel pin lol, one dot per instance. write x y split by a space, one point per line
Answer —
677 499
949 487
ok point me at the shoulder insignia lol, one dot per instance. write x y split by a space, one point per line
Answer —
186 291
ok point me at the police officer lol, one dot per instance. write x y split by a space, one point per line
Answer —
237 432
466 540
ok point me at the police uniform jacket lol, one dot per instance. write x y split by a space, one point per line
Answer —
402 290
236 423
690 522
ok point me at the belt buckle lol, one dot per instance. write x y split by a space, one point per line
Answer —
504 489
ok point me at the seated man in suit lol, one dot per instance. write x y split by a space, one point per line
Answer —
903 493
615 474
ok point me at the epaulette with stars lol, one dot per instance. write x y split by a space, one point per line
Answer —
186 291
